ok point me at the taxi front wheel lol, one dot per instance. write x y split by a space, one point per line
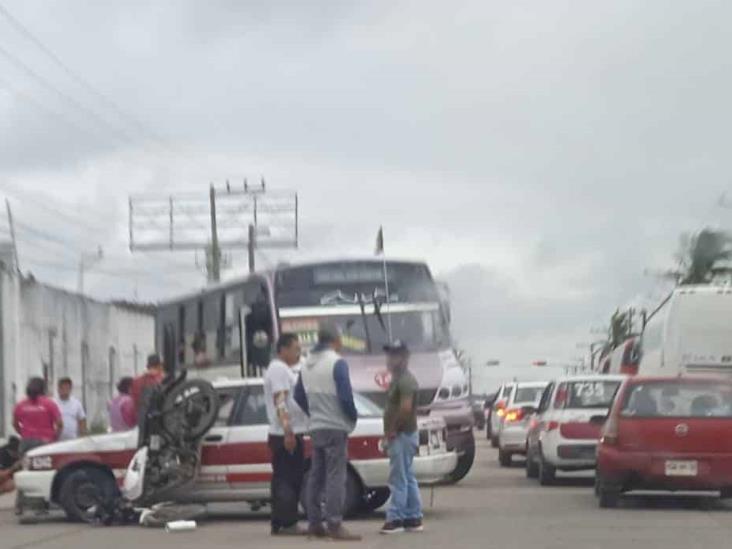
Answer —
83 489
354 494
532 468
547 472
608 496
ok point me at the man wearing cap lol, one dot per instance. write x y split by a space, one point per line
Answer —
400 428
141 384
324 393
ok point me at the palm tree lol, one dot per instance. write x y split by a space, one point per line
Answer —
621 328
701 257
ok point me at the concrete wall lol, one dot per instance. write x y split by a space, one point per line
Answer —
53 333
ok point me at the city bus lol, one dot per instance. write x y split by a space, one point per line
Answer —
229 330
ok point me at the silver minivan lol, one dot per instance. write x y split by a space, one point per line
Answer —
521 405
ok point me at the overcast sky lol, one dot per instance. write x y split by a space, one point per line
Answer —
540 155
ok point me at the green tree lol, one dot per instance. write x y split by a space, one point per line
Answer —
620 329
702 257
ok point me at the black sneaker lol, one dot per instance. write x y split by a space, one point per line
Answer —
414 525
392 527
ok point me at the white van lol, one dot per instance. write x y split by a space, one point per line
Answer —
690 333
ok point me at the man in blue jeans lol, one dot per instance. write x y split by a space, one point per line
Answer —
400 428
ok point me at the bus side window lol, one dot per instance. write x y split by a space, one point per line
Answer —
231 304
204 339
221 328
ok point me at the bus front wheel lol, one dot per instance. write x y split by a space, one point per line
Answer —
464 464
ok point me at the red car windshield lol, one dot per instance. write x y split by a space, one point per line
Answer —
697 399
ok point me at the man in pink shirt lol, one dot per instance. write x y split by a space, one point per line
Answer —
37 419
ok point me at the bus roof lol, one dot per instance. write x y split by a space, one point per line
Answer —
347 259
225 284
706 289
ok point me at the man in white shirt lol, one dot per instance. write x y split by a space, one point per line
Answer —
287 424
72 411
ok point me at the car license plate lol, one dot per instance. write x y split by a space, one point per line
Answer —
681 468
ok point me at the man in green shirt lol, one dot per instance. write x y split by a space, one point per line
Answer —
400 428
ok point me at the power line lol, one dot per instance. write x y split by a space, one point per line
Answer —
125 274
120 135
45 236
63 247
36 238
41 107
76 77
33 237
46 240
75 221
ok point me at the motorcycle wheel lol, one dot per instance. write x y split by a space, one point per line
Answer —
190 409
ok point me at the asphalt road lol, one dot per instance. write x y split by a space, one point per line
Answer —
493 507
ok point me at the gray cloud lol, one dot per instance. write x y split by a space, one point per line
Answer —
545 153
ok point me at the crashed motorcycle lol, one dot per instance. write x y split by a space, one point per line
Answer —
178 414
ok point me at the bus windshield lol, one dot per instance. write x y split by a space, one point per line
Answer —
352 296
422 330
343 281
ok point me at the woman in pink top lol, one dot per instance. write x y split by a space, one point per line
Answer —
37 419
122 407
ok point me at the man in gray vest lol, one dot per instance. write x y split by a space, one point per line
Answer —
324 392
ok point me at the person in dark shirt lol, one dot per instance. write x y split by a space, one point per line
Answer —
9 464
402 438
142 384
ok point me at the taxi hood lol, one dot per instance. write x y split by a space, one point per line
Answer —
93 443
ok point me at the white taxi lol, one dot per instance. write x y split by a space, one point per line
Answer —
521 403
235 459
563 433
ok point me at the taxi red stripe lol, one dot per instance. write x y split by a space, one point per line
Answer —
248 477
237 453
580 431
117 459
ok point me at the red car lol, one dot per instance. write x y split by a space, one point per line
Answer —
672 433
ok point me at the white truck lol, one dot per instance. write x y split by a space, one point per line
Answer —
691 332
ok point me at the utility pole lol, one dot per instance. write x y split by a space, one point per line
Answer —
12 235
251 245
215 251
247 218
86 261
